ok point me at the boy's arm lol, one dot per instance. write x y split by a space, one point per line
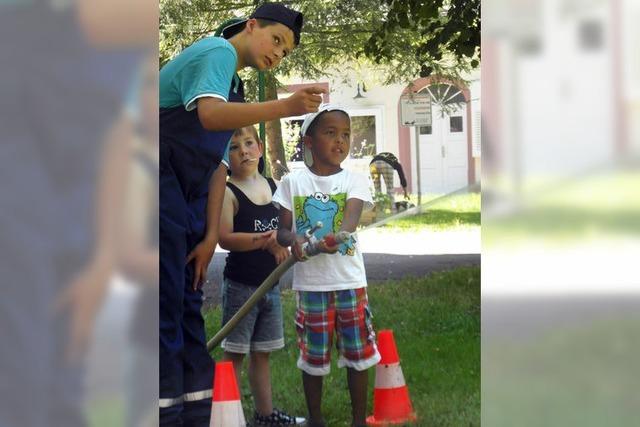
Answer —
237 241
358 197
203 252
403 180
352 211
83 297
216 114
217 188
286 237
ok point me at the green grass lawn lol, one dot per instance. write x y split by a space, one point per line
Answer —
106 412
603 205
454 212
581 375
436 323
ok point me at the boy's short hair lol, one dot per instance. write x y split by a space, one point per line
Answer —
310 120
276 12
250 129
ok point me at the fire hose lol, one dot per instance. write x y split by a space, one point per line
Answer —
311 248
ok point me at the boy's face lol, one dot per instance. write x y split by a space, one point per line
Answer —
331 139
269 45
244 153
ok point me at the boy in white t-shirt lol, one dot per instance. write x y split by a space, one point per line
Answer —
331 287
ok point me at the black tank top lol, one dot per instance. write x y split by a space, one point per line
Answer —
252 267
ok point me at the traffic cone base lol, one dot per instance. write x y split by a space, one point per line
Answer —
393 411
226 408
411 418
227 414
391 403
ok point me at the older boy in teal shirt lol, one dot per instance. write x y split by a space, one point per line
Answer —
201 103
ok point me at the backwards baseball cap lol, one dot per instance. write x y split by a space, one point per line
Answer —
324 108
276 12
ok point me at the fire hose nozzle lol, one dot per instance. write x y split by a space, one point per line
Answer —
309 234
311 248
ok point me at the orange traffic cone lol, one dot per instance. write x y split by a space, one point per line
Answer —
226 410
391 404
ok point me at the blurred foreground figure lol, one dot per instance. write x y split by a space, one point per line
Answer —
138 254
64 136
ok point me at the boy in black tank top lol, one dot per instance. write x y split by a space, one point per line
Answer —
248 228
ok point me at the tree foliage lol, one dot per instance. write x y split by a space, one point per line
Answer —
395 41
403 38
442 34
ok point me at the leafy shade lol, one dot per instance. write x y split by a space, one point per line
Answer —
439 33
403 38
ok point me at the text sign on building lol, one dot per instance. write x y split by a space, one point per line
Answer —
415 109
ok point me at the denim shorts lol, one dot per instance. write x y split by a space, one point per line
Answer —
261 329
344 314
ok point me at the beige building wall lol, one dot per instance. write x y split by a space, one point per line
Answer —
383 100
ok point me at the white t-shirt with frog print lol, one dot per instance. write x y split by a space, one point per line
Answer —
312 198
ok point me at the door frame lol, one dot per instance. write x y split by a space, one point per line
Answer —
404 133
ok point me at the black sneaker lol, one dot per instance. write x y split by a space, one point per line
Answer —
277 418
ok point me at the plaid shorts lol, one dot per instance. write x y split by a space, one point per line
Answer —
346 312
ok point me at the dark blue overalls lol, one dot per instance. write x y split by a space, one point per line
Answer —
189 155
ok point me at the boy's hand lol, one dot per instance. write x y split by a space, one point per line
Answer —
296 249
305 100
280 253
328 244
83 298
268 238
271 244
201 255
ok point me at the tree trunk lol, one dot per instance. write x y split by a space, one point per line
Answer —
273 133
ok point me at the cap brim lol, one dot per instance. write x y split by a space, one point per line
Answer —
324 108
307 157
233 29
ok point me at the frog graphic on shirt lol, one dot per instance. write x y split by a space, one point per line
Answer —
329 209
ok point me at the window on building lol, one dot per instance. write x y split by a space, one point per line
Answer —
591 35
455 124
446 96
363 136
292 140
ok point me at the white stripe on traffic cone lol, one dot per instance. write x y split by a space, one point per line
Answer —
389 376
227 414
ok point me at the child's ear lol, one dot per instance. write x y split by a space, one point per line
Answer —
251 24
307 141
